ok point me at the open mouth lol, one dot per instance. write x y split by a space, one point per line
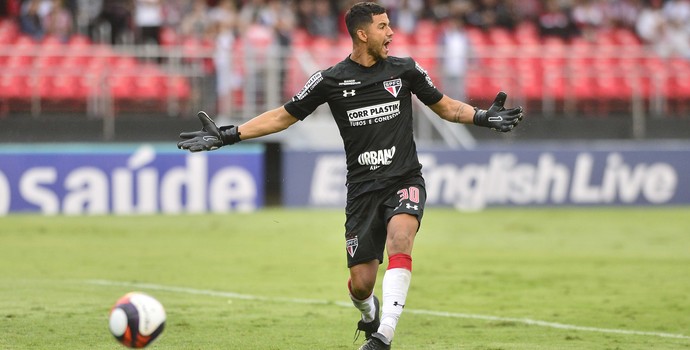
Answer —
386 44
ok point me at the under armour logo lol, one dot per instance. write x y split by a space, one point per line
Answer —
210 138
395 303
347 93
410 206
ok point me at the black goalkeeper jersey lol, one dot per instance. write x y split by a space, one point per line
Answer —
372 107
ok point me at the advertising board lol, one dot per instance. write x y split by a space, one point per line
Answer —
527 175
76 179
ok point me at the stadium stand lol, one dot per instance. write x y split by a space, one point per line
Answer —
599 74
51 75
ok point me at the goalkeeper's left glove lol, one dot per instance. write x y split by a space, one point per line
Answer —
210 137
497 117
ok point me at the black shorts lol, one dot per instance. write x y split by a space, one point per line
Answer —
368 214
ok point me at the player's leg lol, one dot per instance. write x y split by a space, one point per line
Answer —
361 289
362 279
365 242
402 229
405 214
360 286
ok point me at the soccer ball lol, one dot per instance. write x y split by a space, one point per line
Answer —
137 319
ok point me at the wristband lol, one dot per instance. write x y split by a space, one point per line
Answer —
229 134
478 118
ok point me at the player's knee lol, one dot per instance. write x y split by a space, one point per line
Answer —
361 288
362 280
361 293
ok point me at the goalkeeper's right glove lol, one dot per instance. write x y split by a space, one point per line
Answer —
210 137
497 117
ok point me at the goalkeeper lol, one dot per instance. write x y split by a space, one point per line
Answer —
370 97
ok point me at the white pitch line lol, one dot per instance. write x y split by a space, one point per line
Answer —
526 321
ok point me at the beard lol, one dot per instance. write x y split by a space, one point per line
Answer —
377 52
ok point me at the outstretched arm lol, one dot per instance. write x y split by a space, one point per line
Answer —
269 122
453 110
212 137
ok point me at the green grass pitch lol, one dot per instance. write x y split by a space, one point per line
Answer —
590 278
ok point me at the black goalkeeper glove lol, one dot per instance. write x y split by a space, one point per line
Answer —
497 117
210 137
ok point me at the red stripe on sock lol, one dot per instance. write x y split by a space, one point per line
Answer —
400 261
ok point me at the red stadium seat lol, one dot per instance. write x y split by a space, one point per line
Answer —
501 37
92 84
13 86
631 58
97 66
625 37
75 63
399 39
605 38
477 36
46 63
344 47
8 26
78 51
612 87
98 58
21 61
300 38
62 92
555 83
614 92
322 51
168 36
530 84
14 93
42 86
150 87
679 87
526 33
529 57
554 51
194 49
582 86
24 40
581 54
7 37
679 66
178 87
23 53
426 33
78 40
483 89
123 64
68 87
122 87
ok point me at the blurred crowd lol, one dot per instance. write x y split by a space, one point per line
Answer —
661 23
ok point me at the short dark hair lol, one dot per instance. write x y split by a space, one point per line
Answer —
361 14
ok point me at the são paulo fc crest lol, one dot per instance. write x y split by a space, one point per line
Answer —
351 246
393 86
